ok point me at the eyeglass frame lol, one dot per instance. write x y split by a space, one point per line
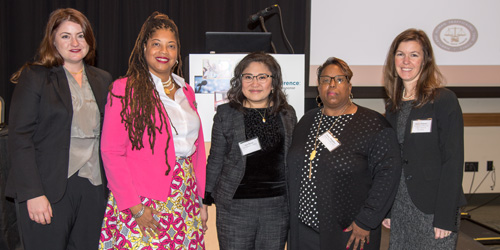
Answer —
255 77
332 80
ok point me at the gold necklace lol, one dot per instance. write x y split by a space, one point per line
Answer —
75 73
265 110
167 84
407 98
313 153
263 116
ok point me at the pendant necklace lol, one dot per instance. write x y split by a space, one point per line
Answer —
313 153
263 116
265 110
166 85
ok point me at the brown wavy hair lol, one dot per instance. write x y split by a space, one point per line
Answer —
47 54
141 101
277 96
430 77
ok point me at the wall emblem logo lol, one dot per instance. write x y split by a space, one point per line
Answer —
455 35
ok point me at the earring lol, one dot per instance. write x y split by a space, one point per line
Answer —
272 91
351 96
318 101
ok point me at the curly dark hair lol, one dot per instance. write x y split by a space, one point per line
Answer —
142 101
277 96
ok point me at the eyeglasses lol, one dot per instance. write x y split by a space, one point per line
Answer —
327 80
248 78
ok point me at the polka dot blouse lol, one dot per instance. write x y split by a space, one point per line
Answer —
356 182
308 212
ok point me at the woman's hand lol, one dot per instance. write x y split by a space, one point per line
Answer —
386 223
204 217
359 236
146 222
39 210
441 233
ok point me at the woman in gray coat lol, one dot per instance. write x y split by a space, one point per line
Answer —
246 168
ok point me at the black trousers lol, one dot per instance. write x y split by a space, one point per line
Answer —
310 239
76 222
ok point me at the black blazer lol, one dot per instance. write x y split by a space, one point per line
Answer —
226 165
433 162
40 131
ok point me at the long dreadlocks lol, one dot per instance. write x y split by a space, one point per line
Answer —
142 101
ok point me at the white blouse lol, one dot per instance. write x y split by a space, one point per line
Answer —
182 117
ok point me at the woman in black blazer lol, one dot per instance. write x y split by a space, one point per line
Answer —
429 125
55 119
246 168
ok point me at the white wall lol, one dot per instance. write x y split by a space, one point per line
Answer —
360 32
482 144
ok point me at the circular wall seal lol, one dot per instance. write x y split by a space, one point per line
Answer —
455 35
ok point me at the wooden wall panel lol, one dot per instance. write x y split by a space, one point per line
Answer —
481 119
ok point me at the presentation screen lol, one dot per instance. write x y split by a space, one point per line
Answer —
465 36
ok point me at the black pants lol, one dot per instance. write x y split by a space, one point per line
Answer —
309 239
76 221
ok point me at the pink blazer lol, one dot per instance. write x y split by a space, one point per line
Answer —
135 173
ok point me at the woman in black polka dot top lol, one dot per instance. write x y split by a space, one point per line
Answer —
344 166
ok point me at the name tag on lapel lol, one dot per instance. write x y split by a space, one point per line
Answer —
249 146
421 126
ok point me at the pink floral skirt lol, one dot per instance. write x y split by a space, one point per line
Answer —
180 218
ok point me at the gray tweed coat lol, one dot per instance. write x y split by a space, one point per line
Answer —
226 165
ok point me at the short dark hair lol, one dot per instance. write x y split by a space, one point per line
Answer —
340 63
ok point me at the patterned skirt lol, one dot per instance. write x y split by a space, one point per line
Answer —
412 229
179 218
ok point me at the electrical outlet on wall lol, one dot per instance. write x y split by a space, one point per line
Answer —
489 166
471 166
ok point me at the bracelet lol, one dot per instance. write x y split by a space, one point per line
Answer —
140 213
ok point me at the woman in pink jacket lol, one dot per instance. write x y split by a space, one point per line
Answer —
153 149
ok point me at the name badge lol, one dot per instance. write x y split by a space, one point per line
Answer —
329 141
421 126
249 146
